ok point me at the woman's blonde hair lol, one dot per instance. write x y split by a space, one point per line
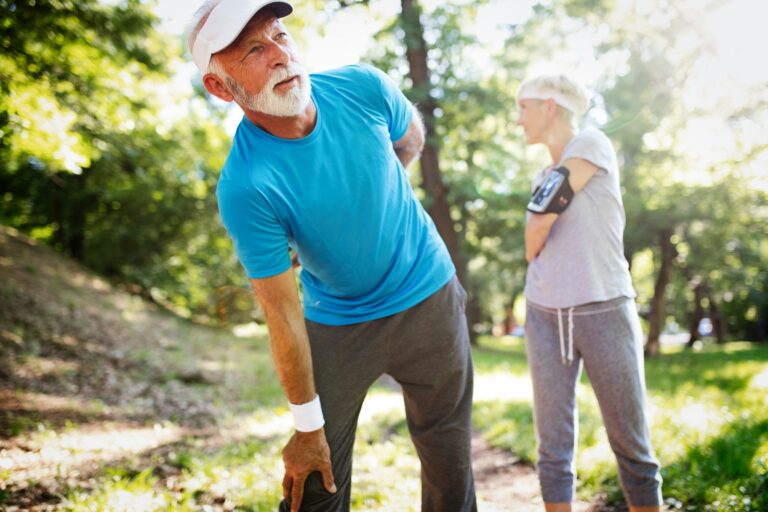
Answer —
566 92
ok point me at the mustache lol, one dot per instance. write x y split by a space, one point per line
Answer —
283 74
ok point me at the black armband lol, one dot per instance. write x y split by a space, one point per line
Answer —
554 195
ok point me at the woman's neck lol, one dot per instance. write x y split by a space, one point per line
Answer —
557 139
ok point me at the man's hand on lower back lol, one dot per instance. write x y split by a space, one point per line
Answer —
305 453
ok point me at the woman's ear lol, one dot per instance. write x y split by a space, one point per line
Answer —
551 108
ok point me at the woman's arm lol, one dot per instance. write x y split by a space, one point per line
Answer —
539 224
536 233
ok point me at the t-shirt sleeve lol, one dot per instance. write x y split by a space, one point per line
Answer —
593 146
260 241
395 106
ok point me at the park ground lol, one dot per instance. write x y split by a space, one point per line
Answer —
109 403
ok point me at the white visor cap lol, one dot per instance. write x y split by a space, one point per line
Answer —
225 23
546 93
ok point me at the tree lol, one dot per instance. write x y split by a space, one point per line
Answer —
421 91
687 209
98 155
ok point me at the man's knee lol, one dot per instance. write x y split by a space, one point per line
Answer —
317 499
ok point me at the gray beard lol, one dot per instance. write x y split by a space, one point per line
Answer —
268 102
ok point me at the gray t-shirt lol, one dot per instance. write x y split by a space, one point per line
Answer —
583 258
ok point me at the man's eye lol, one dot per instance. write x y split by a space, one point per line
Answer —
281 35
257 49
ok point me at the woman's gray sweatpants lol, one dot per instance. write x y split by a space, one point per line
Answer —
426 350
607 337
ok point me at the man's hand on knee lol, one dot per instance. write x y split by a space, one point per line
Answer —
305 453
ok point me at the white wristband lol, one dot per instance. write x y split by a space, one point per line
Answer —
307 417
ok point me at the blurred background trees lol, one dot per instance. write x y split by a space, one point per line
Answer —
109 155
104 156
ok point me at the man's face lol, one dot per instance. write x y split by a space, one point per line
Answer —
262 69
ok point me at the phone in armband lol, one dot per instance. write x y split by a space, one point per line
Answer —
554 194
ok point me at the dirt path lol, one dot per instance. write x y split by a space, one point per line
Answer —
504 484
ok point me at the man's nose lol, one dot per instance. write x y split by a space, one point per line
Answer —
278 55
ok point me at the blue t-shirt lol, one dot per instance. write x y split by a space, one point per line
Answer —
341 199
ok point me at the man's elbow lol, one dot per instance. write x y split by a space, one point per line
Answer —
419 143
418 131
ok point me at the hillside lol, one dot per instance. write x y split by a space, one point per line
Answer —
69 336
92 375
110 403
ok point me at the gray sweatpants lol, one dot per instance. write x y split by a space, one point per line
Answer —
426 350
607 337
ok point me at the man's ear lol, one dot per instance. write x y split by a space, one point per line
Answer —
216 86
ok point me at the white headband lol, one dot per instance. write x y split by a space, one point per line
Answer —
543 93
225 23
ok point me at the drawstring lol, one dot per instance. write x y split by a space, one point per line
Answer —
560 331
570 336
566 359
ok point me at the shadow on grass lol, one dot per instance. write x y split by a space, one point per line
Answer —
16 419
729 473
191 471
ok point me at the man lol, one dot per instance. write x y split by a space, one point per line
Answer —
317 166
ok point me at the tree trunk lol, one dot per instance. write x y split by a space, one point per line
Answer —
69 210
509 320
658 303
762 324
431 176
718 322
509 317
697 315
77 217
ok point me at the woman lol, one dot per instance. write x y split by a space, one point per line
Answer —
580 300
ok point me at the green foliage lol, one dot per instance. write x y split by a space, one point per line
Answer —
644 65
709 215
509 426
59 59
103 158
727 473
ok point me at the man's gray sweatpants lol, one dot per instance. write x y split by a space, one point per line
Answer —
607 337
426 350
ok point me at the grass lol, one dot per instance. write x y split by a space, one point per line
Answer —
708 411
122 433
240 466
709 424
105 393
246 474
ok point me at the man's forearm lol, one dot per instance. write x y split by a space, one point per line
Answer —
307 451
288 336
291 354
